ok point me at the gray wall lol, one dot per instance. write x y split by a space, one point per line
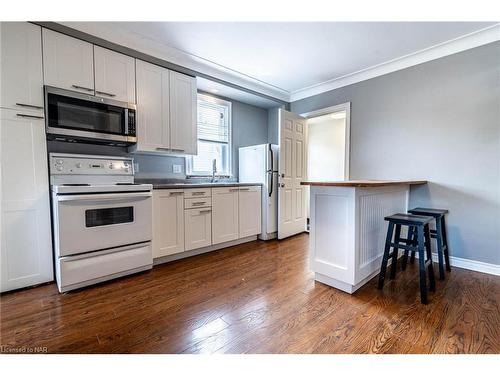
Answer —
437 121
249 128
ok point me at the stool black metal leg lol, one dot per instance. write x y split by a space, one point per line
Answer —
445 243
385 257
409 242
395 251
421 265
430 269
439 240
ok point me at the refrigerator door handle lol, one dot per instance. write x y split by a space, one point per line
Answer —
272 157
271 184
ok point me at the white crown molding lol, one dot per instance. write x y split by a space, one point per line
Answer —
153 48
465 42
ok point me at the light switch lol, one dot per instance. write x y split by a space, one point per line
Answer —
177 168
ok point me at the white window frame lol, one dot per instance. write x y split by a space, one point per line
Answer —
189 159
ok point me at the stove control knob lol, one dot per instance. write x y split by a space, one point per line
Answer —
78 165
59 168
59 161
111 166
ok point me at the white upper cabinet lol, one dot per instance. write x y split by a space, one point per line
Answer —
26 245
21 66
183 128
153 129
68 62
114 75
168 222
250 211
224 214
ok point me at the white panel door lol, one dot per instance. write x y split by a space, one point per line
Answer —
21 66
168 222
68 62
183 125
197 228
250 218
292 164
114 75
224 214
26 245
153 123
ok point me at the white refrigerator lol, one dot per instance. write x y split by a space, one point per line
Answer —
259 164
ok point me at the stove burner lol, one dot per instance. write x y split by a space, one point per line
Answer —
75 184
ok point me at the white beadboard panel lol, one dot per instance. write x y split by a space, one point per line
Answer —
374 205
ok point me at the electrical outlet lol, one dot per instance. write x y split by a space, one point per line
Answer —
177 168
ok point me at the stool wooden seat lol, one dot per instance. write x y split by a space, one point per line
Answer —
439 234
416 224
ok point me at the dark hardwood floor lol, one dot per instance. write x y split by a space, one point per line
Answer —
259 297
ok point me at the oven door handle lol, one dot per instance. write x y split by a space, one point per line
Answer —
105 197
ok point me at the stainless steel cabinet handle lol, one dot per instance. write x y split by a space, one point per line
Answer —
29 105
198 193
105 93
29 116
163 148
244 189
234 189
205 211
82 88
198 203
282 185
177 149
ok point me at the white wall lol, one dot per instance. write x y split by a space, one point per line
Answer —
325 148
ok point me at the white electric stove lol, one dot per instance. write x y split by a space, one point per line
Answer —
102 220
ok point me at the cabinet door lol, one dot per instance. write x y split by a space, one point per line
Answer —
26 247
250 211
68 62
153 129
114 75
224 214
21 67
183 135
198 228
168 222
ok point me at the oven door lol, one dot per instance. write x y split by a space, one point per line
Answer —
90 222
76 115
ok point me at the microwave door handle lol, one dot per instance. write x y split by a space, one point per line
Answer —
105 197
125 119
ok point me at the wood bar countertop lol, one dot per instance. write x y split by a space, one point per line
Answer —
364 183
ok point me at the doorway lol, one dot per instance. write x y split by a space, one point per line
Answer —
327 147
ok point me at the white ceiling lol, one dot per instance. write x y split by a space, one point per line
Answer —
286 57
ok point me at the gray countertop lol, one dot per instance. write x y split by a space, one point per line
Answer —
189 184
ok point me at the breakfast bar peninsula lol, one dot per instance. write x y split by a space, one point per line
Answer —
347 228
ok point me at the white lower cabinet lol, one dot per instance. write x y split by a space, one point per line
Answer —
224 214
168 222
198 228
26 245
250 211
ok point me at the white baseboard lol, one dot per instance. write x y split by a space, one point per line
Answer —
468 264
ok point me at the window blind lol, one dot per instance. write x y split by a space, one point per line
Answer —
213 124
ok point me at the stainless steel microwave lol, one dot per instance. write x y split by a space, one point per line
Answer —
73 116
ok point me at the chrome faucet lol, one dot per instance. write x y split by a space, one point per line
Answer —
214 169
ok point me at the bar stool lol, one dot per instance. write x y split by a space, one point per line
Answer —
439 234
416 224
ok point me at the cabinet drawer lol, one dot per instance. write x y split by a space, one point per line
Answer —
224 190
197 202
197 193
249 188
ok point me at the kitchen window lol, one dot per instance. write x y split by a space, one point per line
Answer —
214 138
